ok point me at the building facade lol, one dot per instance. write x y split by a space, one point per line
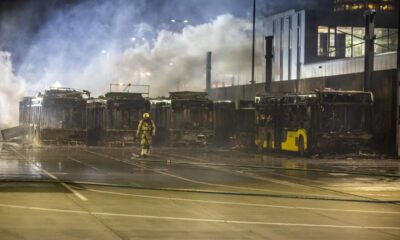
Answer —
308 38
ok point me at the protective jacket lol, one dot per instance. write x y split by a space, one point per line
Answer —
145 131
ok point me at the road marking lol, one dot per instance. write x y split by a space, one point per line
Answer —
239 204
77 194
338 174
88 165
188 219
204 183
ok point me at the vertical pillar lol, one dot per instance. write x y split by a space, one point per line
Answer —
254 38
369 48
268 62
397 106
208 73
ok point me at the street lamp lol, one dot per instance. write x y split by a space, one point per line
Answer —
184 21
252 81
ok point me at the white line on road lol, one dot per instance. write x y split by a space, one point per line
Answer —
80 196
200 219
202 182
240 204
88 165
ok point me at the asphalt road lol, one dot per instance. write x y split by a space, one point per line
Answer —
105 193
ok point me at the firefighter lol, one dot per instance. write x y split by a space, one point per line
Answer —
146 131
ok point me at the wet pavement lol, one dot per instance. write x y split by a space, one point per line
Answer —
197 193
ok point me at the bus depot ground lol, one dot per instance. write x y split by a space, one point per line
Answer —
193 193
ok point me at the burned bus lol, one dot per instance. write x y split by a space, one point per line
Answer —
245 124
186 117
224 121
113 119
160 111
318 122
57 116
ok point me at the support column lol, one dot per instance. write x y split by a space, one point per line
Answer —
269 40
208 73
369 48
397 102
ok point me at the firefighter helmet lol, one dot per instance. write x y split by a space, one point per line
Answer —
146 115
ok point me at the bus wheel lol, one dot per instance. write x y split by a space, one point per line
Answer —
301 146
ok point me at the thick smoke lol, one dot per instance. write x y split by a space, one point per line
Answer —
12 89
90 45
176 61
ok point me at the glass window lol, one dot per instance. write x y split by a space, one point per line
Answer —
381 42
344 41
322 41
332 42
358 41
392 39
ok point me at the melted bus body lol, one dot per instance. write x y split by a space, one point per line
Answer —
317 122
184 118
113 120
57 117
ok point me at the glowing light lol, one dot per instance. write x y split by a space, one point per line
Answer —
173 20
133 39
186 21
56 85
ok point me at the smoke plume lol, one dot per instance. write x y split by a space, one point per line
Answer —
12 89
89 46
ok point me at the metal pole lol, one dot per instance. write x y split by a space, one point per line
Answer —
369 48
397 108
254 37
208 72
268 62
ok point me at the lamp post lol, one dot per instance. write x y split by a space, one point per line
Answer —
179 22
252 81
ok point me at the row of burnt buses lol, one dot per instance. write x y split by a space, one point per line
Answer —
320 121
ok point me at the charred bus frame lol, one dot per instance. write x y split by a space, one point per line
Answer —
113 120
321 121
57 116
186 117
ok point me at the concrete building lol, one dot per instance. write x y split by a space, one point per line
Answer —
325 49
306 41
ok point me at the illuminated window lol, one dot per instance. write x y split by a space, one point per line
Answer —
392 39
371 6
381 41
358 41
332 42
344 41
322 41
360 5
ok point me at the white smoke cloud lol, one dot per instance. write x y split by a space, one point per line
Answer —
12 89
166 60
176 61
